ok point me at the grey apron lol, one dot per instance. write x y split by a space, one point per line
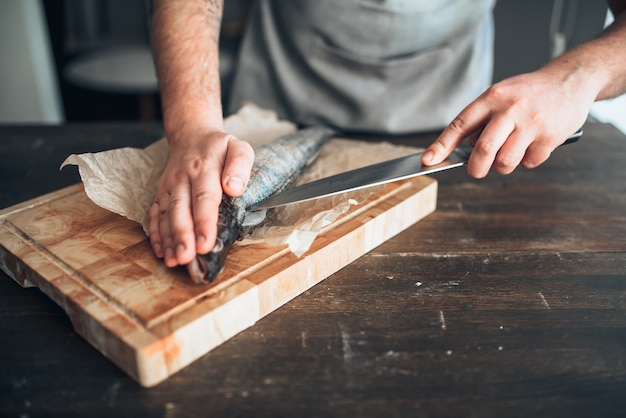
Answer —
393 66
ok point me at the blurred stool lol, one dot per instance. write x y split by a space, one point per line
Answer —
123 70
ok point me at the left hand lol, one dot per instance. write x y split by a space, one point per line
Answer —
518 121
184 215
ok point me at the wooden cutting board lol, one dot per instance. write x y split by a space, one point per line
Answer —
151 320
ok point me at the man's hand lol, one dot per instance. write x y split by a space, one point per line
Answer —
183 217
521 120
518 121
203 160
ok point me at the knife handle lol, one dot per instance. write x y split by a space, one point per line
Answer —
573 138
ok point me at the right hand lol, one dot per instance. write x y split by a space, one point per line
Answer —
183 217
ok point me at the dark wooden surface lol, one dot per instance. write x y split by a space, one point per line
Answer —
509 300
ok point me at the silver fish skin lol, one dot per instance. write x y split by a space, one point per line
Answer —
277 165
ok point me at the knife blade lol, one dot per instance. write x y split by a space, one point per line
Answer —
372 175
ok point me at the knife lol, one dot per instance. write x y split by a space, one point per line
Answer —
393 170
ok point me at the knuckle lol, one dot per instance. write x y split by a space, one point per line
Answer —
496 92
245 147
485 147
457 124
439 145
180 231
527 163
505 162
531 162
241 152
477 173
536 157
174 203
197 165
155 238
504 169
154 211
205 196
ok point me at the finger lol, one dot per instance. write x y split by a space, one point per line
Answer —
167 239
511 153
205 201
487 146
181 246
541 148
153 229
237 166
163 230
537 153
467 122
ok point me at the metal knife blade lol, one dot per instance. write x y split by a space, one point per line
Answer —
372 175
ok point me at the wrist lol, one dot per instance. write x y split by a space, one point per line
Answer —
580 70
188 124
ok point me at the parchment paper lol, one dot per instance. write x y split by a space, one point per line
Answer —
124 180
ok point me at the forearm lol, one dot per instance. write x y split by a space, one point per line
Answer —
597 66
185 35
616 35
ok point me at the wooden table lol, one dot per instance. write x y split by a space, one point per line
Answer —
509 300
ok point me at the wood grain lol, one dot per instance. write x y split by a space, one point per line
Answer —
526 271
151 320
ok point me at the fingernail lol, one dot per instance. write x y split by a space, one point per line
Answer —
235 184
200 242
180 249
169 253
428 157
200 239
158 249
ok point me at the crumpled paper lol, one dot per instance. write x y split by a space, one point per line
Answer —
124 180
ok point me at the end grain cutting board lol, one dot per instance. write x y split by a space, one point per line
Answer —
151 320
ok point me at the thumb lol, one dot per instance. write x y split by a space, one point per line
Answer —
449 139
237 167
436 153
